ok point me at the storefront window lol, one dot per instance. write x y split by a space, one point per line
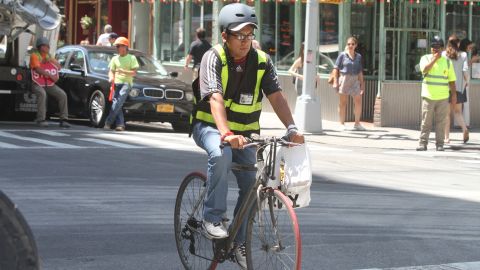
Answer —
328 49
362 27
103 14
171 31
456 20
476 25
409 26
278 30
268 40
202 17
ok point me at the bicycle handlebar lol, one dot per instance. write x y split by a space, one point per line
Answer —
257 140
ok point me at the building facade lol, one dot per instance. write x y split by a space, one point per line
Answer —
392 34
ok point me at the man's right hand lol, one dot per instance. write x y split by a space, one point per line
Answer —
236 141
437 55
54 78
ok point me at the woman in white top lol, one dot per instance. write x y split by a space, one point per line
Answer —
296 70
460 65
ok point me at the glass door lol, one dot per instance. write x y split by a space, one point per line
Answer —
405 36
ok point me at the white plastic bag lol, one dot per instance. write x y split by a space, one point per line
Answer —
293 174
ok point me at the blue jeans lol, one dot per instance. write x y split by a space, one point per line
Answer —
219 164
116 112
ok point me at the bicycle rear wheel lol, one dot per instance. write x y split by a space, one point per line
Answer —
194 249
273 234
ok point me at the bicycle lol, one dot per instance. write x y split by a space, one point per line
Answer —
273 233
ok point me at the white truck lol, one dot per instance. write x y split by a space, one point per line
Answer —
20 22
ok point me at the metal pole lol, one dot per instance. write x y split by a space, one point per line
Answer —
382 49
307 110
157 37
216 34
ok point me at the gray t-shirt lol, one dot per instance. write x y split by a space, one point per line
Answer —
211 79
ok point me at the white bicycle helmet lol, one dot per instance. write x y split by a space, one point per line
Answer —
234 17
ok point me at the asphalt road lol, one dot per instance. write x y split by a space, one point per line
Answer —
98 205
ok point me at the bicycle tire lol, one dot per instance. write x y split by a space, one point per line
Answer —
194 249
18 250
279 222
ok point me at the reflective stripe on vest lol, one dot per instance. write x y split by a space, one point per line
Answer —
434 81
39 55
241 118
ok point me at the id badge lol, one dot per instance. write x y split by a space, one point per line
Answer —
246 99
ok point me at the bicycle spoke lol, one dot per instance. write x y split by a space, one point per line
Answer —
276 244
195 250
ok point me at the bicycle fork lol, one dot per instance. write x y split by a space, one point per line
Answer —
277 246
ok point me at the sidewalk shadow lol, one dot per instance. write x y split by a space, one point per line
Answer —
371 135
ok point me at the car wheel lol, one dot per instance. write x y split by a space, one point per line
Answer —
18 249
97 108
181 127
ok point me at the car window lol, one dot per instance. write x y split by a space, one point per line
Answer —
150 66
62 57
99 61
77 58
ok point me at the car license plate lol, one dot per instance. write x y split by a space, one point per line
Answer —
165 108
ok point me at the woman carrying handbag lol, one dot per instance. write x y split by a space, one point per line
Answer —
347 79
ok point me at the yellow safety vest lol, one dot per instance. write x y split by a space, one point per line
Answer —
435 82
242 119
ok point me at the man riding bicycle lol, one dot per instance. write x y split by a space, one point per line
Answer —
233 79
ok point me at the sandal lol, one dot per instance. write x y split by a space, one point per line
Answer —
466 136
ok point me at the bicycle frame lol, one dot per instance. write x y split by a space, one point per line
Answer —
263 173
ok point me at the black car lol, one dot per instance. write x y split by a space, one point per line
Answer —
156 96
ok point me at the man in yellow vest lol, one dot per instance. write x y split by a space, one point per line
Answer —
437 85
233 79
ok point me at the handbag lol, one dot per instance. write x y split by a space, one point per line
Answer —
332 76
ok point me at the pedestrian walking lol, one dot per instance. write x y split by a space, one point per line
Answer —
197 50
296 70
103 38
348 80
438 81
44 84
467 46
123 67
460 66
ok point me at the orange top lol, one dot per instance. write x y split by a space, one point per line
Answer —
35 59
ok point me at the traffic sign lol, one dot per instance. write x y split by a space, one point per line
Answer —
42 80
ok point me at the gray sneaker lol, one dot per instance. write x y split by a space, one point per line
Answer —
241 255
359 128
42 123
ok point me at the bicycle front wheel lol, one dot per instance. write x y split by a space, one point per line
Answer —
194 249
273 234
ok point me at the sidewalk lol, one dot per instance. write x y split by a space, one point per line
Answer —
374 137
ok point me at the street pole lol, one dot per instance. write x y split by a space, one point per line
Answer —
307 109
